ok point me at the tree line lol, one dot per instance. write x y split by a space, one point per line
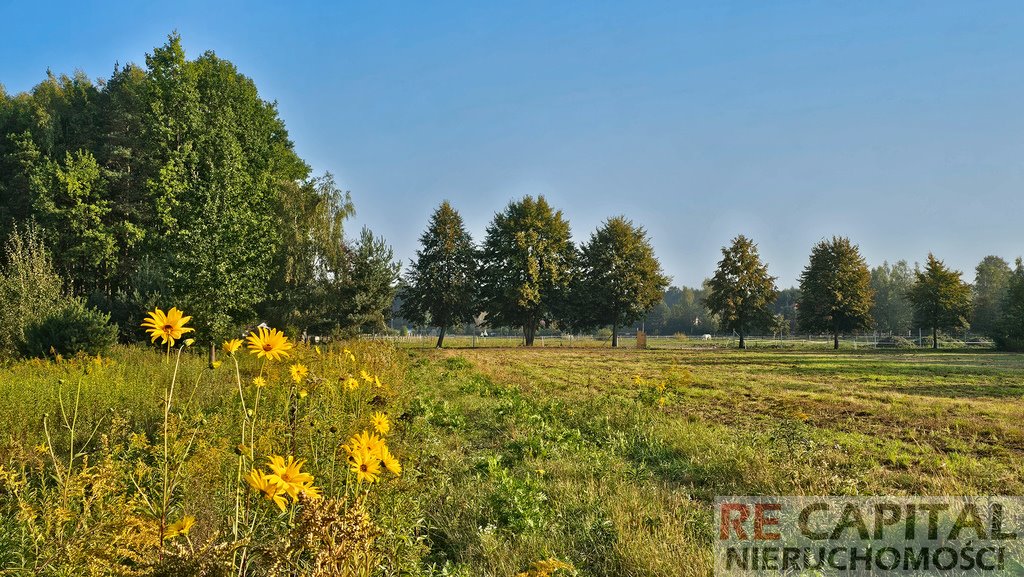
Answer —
528 274
174 182
838 294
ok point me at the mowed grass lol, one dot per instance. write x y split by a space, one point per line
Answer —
581 454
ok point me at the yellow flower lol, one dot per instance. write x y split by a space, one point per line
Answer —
364 442
351 383
389 461
366 466
288 475
366 376
181 527
348 355
265 484
299 372
231 346
310 491
259 382
376 381
269 343
168 327
380 422
547 568
317 349
303 393
216 364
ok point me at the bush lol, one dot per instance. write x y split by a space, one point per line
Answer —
896 342
603 334
72 329
30 288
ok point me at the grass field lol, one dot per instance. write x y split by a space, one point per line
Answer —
605 459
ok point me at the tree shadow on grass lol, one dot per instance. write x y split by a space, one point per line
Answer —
962 391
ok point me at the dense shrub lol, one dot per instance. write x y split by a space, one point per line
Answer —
30 288
72 329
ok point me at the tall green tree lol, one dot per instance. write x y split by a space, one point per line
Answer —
991 281
619 278
741 292
835 290
72 207
1011 331
941 300
892 311
526 261
312 258
441 283
369 289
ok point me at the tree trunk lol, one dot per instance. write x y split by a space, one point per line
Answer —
440 336
615 335
743 344
528 333
835 341
935 338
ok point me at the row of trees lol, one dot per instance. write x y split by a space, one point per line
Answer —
174 182
839 295
527 273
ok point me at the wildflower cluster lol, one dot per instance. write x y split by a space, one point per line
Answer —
367 453
651 391
285 478
548 568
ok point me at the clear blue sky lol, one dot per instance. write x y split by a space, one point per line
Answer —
898 124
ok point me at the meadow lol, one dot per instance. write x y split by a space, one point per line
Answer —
605 460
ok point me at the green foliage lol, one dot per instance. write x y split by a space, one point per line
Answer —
72 208
681 311
441 283
741 292
526 266
312 256
941 300
30 289
991 281
892 311
178 166
72 329
1011 333
370 285
835 290
619 277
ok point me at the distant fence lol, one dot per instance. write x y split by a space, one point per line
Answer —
682 342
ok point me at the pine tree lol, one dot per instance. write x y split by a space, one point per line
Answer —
835 290
941 300
442 281
742 292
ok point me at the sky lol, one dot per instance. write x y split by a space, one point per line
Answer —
897 124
